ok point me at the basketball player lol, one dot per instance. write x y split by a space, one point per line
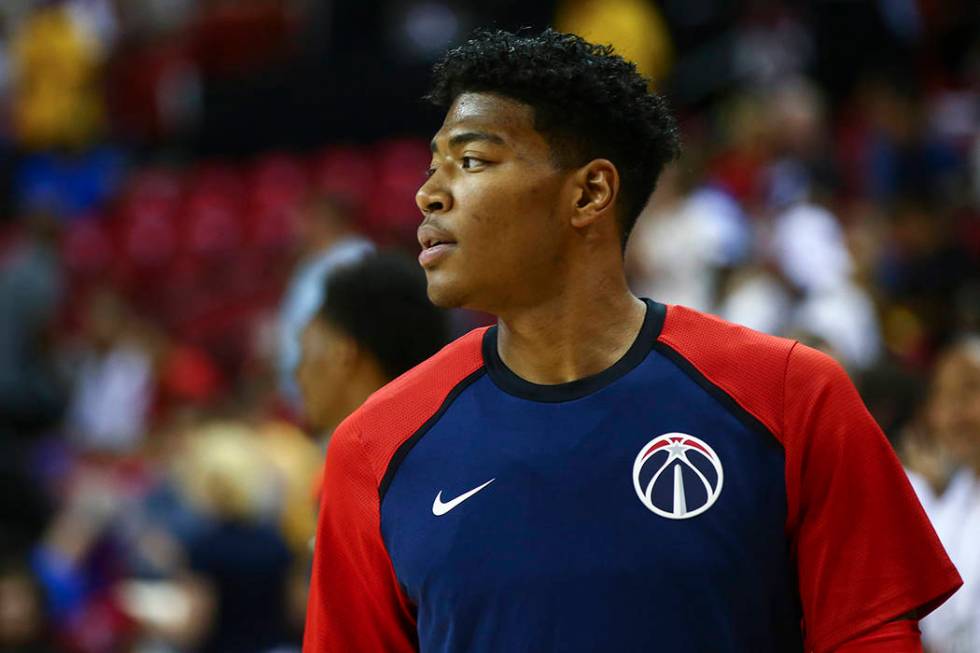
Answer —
599 472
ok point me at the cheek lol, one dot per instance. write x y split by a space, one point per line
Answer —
314 378
512 224
972 416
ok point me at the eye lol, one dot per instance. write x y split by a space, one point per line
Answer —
469 162
431 170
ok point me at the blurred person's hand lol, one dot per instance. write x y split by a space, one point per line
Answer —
92 503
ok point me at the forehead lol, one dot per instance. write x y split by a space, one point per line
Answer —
511 120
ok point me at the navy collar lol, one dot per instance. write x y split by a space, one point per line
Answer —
512 384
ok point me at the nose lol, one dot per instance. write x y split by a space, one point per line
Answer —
431 198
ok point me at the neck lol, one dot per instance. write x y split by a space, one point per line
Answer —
574 334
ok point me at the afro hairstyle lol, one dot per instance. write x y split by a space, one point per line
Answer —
587 101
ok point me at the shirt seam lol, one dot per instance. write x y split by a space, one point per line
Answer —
366 460
782 416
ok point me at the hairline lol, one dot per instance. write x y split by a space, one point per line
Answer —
561 163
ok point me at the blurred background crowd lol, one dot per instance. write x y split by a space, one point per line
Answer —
178 177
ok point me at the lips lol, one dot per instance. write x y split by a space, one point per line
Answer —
436 244
431 255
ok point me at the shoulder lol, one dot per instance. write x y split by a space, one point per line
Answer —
748 366
720 346
399 409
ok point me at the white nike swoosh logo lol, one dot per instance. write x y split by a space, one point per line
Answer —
439 508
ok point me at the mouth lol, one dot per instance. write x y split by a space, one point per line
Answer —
436 244
434 251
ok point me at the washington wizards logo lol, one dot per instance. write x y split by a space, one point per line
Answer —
677 476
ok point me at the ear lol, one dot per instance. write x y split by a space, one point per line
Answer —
597 186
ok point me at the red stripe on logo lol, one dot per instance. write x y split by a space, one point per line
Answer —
692 443
662 443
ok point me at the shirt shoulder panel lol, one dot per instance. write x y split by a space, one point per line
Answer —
396 412
748 366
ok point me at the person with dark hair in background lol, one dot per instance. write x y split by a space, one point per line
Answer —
598 472
32 396
329 240
376 323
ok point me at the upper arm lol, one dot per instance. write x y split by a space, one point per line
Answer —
901 636
355 602
865 550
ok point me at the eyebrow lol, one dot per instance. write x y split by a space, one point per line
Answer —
468 137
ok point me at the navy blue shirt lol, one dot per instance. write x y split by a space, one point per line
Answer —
646 508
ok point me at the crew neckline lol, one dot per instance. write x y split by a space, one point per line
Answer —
515 385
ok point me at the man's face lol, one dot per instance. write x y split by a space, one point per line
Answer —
498 202
320 374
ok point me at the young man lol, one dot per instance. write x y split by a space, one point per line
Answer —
599 472
375 323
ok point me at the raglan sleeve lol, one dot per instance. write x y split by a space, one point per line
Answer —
355 601
865 551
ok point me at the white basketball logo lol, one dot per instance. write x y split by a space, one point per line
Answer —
661 467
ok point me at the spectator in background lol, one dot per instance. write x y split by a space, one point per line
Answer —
328 240
31 287
114 382
376 323
687 236
811 253
953 499
55 62
240 552
4 80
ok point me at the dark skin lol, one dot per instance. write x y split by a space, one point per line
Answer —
529 241
335 374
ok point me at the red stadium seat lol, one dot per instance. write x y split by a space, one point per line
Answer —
215 179
211 228
148 237
158 184
392 214
403 159
278 180
272 228
87 247
344 171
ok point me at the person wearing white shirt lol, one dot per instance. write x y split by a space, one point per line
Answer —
953 416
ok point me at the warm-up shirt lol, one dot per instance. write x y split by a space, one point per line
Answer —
716 489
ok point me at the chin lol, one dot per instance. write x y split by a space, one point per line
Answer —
443 293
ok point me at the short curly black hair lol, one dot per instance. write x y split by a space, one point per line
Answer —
588 103
380 301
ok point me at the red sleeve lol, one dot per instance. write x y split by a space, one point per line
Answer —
355 603
893 637
865 550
